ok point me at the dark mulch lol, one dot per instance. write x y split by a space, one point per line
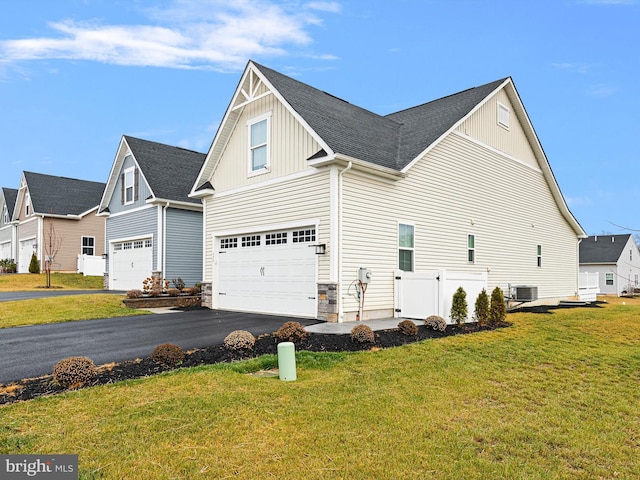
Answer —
267 344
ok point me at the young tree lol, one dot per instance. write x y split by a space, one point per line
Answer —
498 310
52 244
34 264
482 308
459 307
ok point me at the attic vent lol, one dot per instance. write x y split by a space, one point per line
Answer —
524 293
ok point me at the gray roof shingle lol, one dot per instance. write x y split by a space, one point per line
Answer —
391 141
62 195
10 196
170 171
602 248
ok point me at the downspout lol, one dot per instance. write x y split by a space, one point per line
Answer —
164 239
340 248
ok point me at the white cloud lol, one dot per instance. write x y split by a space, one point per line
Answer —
189 34
601 91
572 67
333 7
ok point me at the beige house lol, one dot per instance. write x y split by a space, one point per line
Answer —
313 205
56 217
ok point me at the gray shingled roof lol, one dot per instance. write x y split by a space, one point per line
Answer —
170 171
10 196
601 248
391 141
62 195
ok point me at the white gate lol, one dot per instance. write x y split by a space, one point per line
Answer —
588 286
420 294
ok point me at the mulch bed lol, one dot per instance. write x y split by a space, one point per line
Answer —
30 388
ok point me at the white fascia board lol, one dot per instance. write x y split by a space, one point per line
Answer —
205 192
175 204
360 165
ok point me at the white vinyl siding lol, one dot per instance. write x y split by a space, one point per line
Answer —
289 148
426 193
482 127
257 209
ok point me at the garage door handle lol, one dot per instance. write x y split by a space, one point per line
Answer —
311 298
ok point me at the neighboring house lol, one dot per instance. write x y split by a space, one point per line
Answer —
57 216
152 226
7 227
615 258
459 183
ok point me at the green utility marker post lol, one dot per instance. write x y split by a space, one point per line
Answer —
287 361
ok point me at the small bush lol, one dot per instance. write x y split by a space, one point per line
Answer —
482 308
178 283
459 307
196 289
134 293
436 322
173 292
239 340
34 264
362 334
291 332
498 309
407 327
168 354
74 371
187 291
188 302
155 292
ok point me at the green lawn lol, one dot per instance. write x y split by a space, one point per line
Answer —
555 396
35 281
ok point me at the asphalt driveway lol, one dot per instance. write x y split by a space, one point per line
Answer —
33 351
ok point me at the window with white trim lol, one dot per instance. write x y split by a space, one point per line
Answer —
608 279
503 115
539 256
129 185
405 246
27 205
88 245
471 248
259 128
631 255
636 279
5 215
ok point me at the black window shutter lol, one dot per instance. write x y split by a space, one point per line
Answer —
122 189
135 184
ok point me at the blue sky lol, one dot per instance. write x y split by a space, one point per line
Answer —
75 75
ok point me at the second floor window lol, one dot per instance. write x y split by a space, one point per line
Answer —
259 144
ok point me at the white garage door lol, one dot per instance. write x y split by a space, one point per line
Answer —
272 272
26 251
5 251
130 263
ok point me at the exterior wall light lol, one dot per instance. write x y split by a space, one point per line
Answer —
321 248
105 256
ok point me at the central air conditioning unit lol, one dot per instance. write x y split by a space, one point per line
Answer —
524 293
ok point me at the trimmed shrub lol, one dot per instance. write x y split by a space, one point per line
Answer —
407 327
459 307
173 292
291 332
34 264
498 310
155 292
187 291
74 371
195 290
168 354
134 293
482 308
436 322
362 334
239 340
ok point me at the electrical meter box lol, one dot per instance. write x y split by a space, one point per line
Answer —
364 275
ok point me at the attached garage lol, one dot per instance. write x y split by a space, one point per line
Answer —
27 248
5 251
130 263
267 272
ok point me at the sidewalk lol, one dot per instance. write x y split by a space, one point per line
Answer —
342 328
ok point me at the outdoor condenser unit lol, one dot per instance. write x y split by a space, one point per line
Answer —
524 293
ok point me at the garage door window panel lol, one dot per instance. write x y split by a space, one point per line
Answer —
279 238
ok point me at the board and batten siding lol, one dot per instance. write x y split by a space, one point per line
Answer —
144 192
258 209
183 256
483 126
289 143
141 223
459 188
70 233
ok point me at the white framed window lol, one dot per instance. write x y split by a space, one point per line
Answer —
631 255
636 279
129 186
5 215
471 248
27 205
608 279
258 131
539 256
88 245
503 115
406 243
